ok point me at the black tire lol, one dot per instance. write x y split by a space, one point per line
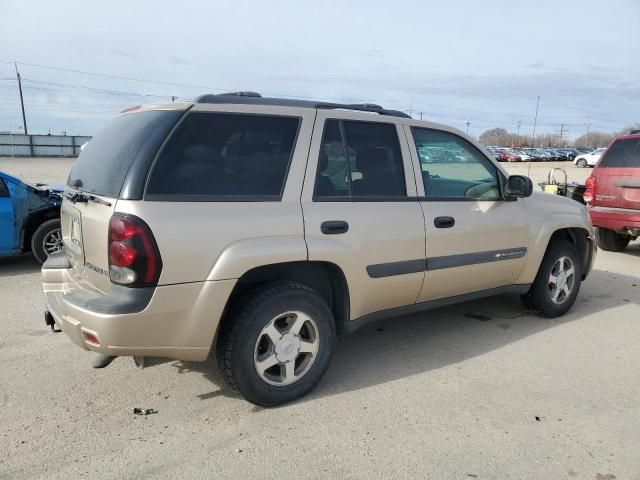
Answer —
243 326
611 241
582 163
539 299
42 232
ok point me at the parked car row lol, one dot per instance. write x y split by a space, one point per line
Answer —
548 154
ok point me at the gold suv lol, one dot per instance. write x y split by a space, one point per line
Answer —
261 228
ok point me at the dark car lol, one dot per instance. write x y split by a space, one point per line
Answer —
613 194
29 218
570 153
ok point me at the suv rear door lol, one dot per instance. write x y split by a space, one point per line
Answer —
618 175
361 211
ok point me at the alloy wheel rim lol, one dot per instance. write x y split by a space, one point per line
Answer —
52 242
562 280
286 348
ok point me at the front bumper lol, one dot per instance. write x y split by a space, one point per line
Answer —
174 321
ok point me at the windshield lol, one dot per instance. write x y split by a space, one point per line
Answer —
104 162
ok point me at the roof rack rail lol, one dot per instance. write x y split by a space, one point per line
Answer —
254 98
241 94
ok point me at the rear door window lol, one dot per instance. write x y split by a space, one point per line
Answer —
218 156
103 164
359 160
624 153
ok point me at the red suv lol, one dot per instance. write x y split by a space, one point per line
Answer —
613 193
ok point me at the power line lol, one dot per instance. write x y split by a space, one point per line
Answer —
94 89
221 89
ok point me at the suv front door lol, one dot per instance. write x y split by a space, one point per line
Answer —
475 239
360 209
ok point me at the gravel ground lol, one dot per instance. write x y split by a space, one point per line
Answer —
442 395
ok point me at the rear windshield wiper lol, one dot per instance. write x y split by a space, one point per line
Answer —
83 197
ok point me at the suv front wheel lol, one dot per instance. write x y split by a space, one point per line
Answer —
557 284
276 343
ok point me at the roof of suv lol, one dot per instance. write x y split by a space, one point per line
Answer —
253 98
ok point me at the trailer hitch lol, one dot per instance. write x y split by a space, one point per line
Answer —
51 323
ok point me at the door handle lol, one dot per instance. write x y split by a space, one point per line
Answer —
334 227
444 222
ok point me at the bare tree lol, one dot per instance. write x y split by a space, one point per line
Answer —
594 140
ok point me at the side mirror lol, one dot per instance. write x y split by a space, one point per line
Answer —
519 186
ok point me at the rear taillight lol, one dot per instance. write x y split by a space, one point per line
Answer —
134 259
590 192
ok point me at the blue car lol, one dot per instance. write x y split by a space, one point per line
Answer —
29 217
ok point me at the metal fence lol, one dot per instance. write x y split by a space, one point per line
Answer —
41 145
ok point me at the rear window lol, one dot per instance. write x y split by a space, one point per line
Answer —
104 162
218 156
623 153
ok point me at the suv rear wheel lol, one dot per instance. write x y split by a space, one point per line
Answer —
277 343
611 241
558 281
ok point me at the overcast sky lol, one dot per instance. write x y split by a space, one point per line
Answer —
479 61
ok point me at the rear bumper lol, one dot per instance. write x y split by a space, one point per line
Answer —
618 219
174 321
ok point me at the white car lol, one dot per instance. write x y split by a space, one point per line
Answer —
589 159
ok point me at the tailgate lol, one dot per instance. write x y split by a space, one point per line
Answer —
618 174
85 228
618 188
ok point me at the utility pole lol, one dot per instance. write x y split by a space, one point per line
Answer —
588 125
468 123
535 121
24 118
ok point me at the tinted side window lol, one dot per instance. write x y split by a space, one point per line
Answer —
623 153
225 155
359 160
4 191
452 167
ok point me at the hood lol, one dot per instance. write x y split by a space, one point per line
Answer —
51 193
53 187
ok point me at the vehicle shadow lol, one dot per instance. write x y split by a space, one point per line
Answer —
404 346
18 265
632 249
